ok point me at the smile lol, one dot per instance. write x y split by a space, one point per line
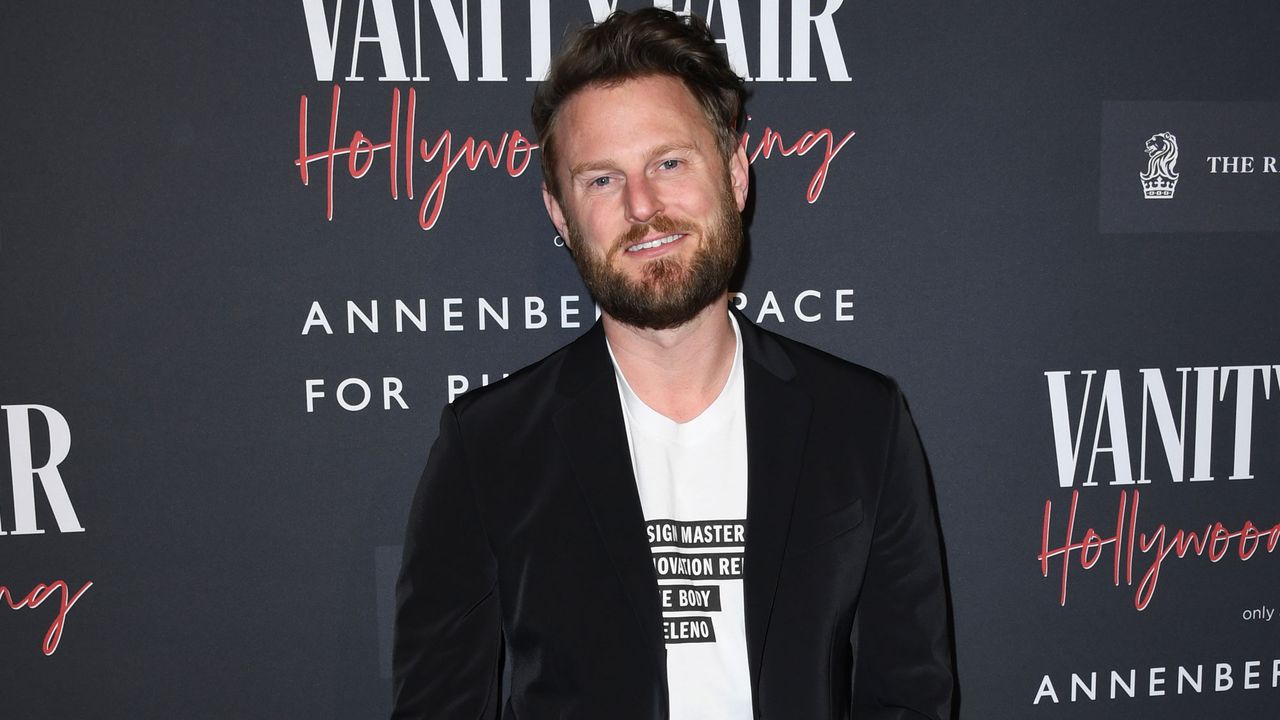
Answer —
656 242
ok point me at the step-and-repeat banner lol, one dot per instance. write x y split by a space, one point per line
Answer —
248 250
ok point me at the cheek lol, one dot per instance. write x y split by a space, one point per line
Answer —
602 218
594 230
697 196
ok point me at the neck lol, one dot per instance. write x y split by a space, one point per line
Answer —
680 371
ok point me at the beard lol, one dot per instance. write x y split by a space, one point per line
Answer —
668 294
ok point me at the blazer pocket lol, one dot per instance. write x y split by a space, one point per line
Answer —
807 534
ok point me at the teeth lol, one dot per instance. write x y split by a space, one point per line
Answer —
653 243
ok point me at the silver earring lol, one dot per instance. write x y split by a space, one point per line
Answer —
557 240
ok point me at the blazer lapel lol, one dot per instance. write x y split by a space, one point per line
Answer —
593 433
778 415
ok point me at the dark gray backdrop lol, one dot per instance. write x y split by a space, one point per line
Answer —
160 257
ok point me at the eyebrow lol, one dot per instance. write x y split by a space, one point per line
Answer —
592 166
609 163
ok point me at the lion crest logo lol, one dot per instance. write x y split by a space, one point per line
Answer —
1160 179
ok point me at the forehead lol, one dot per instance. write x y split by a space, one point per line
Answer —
618 122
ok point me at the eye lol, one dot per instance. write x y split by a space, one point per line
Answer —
602 181
670 164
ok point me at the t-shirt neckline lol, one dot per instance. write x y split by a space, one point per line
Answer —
644 419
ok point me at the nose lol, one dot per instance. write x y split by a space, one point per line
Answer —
642 200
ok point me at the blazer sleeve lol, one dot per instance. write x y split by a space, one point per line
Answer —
901 637
448 646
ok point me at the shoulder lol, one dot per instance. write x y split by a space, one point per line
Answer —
517 389
825 377
537 389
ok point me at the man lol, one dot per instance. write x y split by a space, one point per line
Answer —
678 514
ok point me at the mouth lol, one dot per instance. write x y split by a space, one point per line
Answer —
655 243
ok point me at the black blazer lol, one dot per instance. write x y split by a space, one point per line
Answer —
526 544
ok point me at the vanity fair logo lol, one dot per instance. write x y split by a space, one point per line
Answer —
1177 411
23 474
376 25
1161 178
418 145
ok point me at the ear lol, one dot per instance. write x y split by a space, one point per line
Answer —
556 213
739 176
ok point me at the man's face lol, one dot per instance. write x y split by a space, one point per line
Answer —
648 205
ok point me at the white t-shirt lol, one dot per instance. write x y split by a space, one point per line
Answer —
692 479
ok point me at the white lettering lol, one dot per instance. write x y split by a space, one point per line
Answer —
1230 164
844 301
1196 683
455 34
365 393
458 314
770 307
313 393
1222 677
1244 412
1046 690
832 54
1155 682
800 312
1113 408
1090 691
370 321
1204 424
1068 452
457 385
567 312
769 32
391 388
315 317
451 19
23 471
1173 436
486 308
451 313
419 321
533 308
324 48
539 39
734 39
1117 680
387 37
1251 672
1211 387
490 41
